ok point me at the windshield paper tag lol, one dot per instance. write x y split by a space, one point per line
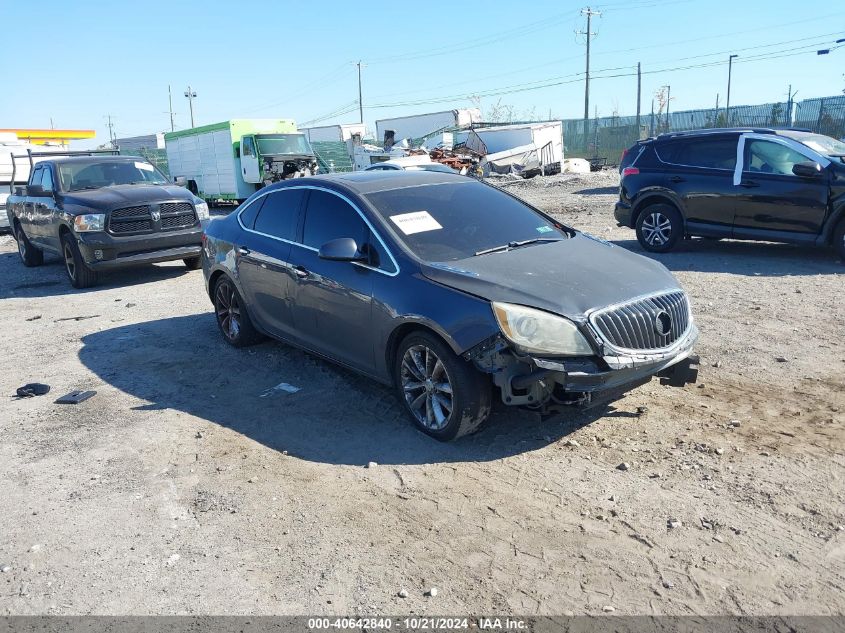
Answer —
544 229
145 166
416 222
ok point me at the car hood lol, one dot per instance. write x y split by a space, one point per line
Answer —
115 197
570 277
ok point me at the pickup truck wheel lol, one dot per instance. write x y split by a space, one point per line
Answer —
839 239
193 263
30 256
232 316
445 395
659 228
80 275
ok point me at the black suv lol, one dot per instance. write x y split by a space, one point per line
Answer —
748 184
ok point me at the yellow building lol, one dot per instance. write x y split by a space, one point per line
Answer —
42 137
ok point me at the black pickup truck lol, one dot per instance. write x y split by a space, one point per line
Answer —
100 212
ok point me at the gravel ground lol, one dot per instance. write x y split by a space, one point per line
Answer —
185 487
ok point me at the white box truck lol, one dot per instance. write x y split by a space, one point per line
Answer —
233 159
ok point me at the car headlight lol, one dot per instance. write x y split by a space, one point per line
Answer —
540 332
202 210
89 222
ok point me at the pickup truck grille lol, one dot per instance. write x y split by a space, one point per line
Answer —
651 323
167 216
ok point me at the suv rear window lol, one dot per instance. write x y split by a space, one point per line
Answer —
712 153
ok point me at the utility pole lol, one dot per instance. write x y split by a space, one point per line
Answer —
651 128
668 104
191 96
170 102
716 113
360 102
728 100
789 101
639 93
589 13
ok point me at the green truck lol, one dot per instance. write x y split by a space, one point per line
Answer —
233 159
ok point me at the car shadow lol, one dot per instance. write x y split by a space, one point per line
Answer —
336 416
598 191
50 279
764 259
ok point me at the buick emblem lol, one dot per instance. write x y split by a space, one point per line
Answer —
156 215
663 323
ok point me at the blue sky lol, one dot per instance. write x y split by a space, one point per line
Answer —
296 60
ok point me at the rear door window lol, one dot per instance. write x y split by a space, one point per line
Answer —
279 215
709 153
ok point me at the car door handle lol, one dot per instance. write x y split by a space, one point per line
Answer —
677 179
748 184
243 250
301 272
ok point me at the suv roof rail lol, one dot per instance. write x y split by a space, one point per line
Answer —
718 130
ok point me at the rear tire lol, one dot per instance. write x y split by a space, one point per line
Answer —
445 396
659 228
839 240
30 256
232 316
193 263
77 270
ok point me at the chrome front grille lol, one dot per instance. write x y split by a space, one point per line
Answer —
167 216
650 323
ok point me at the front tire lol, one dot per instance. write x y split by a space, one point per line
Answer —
77 270
445 396
30 256
659 228
232 316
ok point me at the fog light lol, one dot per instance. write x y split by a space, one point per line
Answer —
98 254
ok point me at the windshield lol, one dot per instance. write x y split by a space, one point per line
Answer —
283 144
93 175
451 221
823 144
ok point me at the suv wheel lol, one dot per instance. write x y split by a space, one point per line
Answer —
659 228
446 396
77 270
30 256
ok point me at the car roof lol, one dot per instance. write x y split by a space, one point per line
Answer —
364 182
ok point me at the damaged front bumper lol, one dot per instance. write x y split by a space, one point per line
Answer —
539 381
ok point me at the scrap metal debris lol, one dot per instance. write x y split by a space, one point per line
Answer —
75 397
282 386
32 389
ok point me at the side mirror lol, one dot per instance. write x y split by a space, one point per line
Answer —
343 249
807 169
181 181
37 191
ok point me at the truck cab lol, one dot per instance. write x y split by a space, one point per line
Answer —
269 158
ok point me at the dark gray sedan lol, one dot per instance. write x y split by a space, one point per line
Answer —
445 287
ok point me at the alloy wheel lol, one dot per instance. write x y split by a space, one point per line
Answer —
427 387
228 310
70 262
657 229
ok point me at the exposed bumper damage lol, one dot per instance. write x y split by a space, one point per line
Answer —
549 383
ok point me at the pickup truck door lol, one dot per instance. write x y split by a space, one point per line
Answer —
45 211
27 217
249 160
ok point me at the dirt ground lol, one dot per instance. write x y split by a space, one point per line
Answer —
185 487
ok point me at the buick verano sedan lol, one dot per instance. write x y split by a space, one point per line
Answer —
445 287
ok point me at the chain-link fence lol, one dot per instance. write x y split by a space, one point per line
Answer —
607 137
157 157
